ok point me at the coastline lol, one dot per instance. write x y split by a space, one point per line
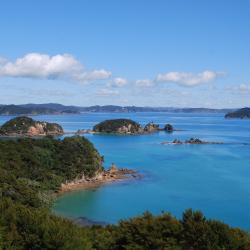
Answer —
112 175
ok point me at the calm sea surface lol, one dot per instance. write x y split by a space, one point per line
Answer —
211 178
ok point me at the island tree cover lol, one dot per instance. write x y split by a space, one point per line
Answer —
31 171
241 113
118 126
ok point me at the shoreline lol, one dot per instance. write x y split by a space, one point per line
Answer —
112 175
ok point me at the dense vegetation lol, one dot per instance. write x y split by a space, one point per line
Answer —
241 113
23 125
32 170
118 126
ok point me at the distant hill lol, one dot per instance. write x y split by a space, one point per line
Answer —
241 113
55 108
36 109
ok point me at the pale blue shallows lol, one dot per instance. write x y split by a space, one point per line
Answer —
211 178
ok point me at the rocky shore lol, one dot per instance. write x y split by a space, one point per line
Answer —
113 174
191 141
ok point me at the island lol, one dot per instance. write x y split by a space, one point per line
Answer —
118 126
26 126
191 141
126 126
243 113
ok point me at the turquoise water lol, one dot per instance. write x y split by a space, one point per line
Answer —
212 178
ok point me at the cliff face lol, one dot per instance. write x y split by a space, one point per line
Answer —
119 126
27 126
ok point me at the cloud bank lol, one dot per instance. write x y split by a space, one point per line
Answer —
188 79
62 66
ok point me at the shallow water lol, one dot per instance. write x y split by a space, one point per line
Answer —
212 178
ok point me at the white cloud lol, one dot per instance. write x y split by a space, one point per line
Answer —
119 82
64 66
188 79
2 61
107 92
144 83
244 87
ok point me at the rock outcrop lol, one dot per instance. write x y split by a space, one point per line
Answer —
169 128
151 127
110 175
191 141
26 126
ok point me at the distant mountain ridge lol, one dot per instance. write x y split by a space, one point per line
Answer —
55 108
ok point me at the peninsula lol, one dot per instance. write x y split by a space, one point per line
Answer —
113 174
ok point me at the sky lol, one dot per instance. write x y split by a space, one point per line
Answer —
168 53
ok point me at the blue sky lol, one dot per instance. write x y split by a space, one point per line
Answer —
179 53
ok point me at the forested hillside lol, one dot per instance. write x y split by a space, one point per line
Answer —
31 171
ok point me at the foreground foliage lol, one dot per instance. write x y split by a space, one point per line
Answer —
31 170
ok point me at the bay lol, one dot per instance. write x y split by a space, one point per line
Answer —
212 178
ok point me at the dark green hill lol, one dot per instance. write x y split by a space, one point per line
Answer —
120 126
23 125
241 113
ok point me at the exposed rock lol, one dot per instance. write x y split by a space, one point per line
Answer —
102 177
191 141
113 168
151 127
177 141
83 131
169 128
195 141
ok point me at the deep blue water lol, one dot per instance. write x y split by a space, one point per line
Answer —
211 178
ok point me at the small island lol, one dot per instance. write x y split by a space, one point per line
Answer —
126 126
243 113
118 126
191 141
26 126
